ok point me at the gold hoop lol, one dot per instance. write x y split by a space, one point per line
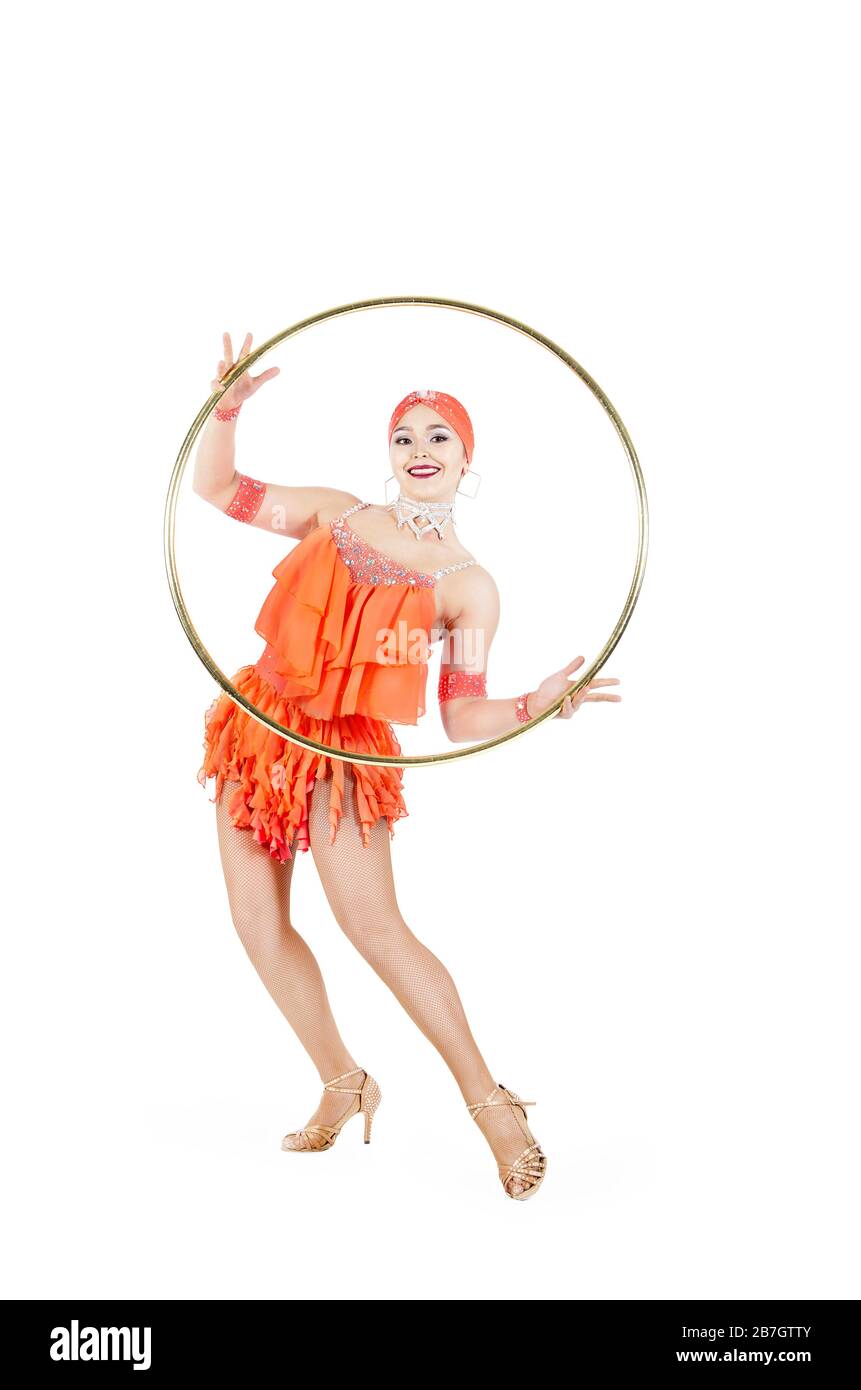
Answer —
416 760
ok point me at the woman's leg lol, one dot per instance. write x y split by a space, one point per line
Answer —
359 886
258 889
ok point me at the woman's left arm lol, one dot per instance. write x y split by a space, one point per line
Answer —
468 716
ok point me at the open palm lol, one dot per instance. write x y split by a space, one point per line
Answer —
244 385
550 689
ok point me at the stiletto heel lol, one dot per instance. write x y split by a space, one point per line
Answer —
526 1173
319 1138
371 1097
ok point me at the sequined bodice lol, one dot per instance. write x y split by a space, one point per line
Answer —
370 566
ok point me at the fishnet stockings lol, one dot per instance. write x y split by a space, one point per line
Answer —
359 885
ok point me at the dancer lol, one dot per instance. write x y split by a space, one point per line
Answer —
348 628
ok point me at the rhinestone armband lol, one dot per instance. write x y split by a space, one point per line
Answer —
520 707
226 415
455 683
247 499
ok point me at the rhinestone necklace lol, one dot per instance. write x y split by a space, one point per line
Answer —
435 516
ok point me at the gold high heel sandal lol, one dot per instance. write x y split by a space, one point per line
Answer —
526 1173
319 1138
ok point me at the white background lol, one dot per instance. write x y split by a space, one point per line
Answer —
650 910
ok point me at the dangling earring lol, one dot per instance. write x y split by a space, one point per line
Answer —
463 491
390 479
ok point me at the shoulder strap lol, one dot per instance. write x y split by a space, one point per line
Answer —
449 569
357 506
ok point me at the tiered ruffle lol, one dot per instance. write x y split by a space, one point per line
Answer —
342 659
277 776
338 647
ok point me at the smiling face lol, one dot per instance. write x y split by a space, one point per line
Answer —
427 456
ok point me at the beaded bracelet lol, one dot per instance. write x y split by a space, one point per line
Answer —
227 415
247 499
455 683
520 707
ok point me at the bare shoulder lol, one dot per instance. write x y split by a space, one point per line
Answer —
472 592
476 581
332 502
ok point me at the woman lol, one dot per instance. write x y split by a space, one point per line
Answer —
341 662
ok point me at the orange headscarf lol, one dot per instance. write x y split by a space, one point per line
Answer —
444 405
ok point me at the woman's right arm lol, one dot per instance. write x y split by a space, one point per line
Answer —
291 511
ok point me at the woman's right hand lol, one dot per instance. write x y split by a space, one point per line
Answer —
244 385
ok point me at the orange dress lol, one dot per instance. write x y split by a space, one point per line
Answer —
348 635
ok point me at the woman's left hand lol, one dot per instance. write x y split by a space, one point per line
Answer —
550 689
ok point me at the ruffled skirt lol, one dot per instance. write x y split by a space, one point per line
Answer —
277 776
